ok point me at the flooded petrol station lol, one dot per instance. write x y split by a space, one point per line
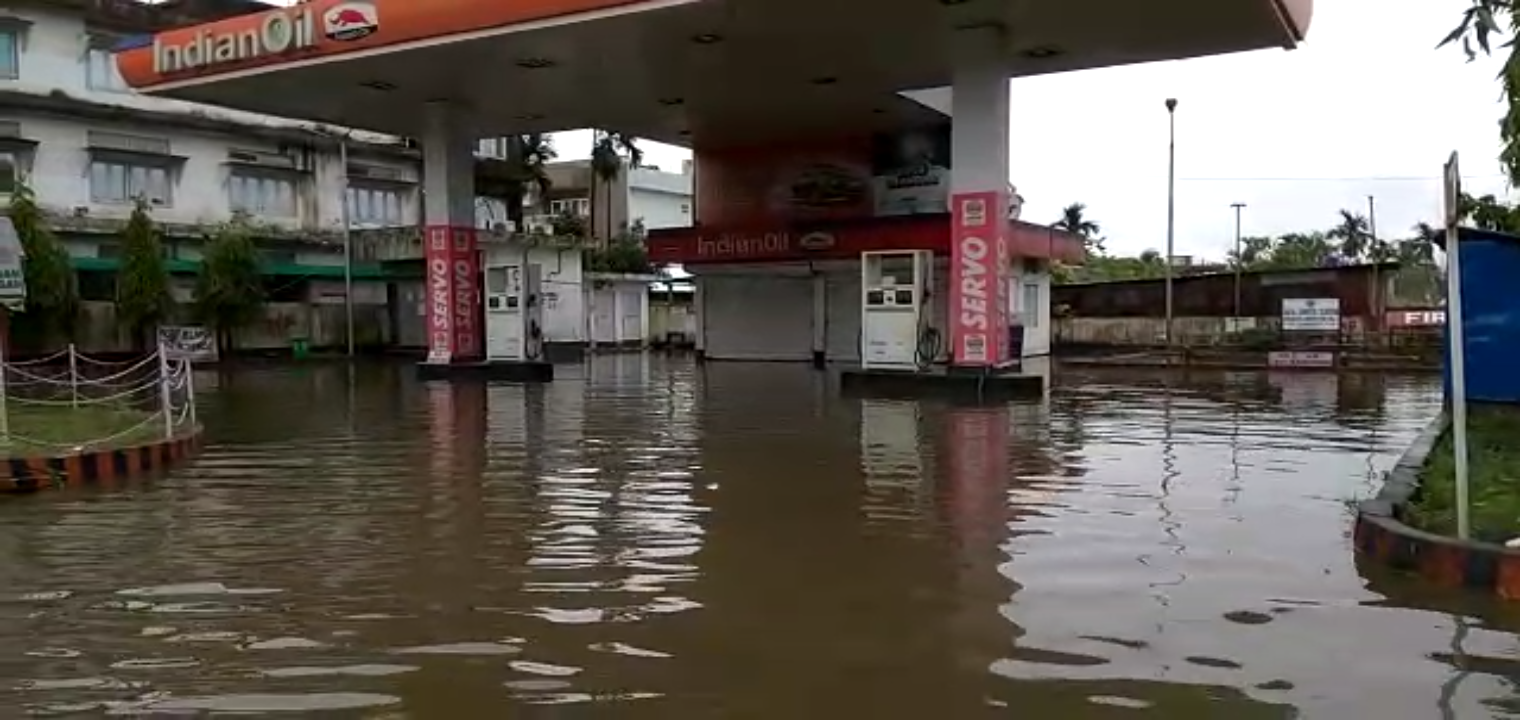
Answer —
655 538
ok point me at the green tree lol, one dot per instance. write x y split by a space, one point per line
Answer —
52 289
1075 221
1299 251
229 293
1480 24
610 152
1489 213
626 253
1353 235
142 285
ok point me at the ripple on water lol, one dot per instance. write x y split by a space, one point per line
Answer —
536 685
89 683
369 670
58 653
538 668
156 664
618 648
461 648
285 643
194 590
1116 701
265 703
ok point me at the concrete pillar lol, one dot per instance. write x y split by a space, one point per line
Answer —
820 320
698 303
454 315
980 274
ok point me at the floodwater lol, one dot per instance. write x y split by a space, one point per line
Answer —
648 538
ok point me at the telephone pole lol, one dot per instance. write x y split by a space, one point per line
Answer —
1239 262
1171 207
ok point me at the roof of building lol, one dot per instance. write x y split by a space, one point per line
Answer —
1182 274
154 16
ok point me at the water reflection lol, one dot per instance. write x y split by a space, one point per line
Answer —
669 540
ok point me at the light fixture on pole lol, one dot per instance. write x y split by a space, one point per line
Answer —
1171 207
1239 261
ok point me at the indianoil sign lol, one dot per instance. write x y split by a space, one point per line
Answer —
277 33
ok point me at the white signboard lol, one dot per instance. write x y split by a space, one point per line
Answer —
12 279
189 342
1300 359
1311 314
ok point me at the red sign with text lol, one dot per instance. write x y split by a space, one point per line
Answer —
453 298
979 276
843 241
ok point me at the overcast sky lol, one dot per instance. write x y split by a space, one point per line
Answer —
1366 107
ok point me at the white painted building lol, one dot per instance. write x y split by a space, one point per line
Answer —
660 199
88 146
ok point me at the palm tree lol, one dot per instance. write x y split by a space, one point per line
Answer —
1353 234
610 150
525 169
1419 249
1073 220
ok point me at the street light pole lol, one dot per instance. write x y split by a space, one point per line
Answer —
348 245
1372 218
1171 207
1238 260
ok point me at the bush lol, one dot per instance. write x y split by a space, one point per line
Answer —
229 292
622 256
52 290
142 285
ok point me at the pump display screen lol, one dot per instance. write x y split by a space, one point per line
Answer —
874 297
904 297
897 269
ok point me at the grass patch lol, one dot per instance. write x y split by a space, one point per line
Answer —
1493 462
46 430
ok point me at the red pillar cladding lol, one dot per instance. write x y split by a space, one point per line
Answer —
453 307
979 276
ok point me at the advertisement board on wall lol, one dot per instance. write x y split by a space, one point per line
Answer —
453 303
1311 314
979 271
910 171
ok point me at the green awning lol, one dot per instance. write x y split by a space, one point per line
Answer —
362 271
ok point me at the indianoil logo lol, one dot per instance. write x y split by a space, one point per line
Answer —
351 21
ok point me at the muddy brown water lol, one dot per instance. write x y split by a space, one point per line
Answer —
650 538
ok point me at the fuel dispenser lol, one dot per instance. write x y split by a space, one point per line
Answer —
514 313
895 329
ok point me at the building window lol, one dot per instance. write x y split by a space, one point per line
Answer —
1032 305
10 54
10 172
579 207
262 195
492 148
101 72
376 206
121 182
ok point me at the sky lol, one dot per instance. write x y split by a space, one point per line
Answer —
1367 106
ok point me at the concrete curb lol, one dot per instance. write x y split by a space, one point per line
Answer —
105 468
1381 535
